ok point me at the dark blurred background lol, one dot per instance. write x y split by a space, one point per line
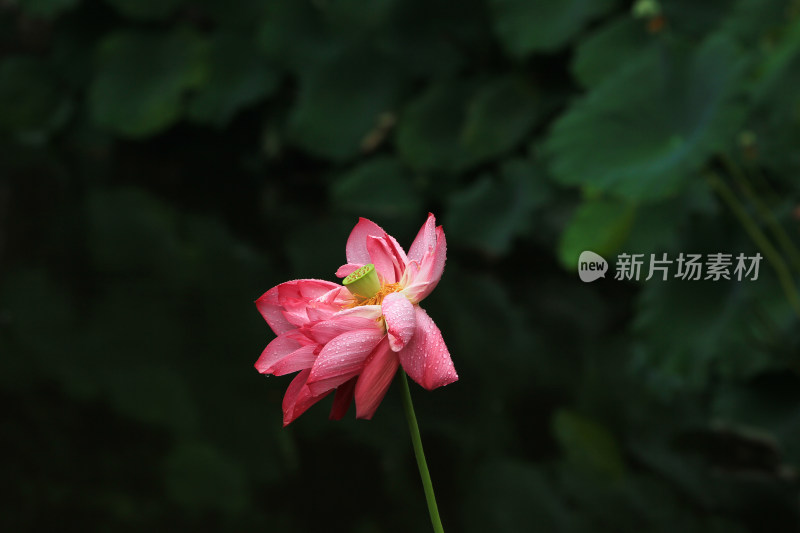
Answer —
165 162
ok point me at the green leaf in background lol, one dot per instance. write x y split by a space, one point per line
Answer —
295 36
148 390
697 330
774 119
639 503
588 445
656 228
545 25
599 225
455 125
659 226
304 33
47 8
356 18
141 79
756 20
490 213
125 222
237 77
768 404
340 102
30 102
642 132
429 40
247 15
497 118
428 130
21 294
379 187
510 496
697 19
609 49
779 63
145 9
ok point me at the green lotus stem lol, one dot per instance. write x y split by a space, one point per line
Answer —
416 442
761 240
772 196
784 241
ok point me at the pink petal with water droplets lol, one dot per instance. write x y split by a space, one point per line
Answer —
410 273
375 380
326 330
426 358
381 257
388 257
424 241
400 320
325 306
342 399
300 359
430 270
298 398
347 269
281 347
357 252
342 358
292 297
356 248
372 312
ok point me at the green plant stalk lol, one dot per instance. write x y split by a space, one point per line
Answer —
416 442
772 196
761 240
784 241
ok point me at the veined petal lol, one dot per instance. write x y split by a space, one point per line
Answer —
424 241
326 330
300 359
410 273
356 248
304 289
298 398
367 311
415 292
290 298
381 257
388 257
342 399
426 358
430 270
375 380
325 306
359 255
347 269
400 320
342 358
397 252
281 347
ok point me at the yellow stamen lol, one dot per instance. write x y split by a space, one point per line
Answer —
377 299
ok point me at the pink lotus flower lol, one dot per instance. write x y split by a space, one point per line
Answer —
353 338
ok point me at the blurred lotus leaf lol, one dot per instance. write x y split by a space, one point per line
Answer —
142 78
642 132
